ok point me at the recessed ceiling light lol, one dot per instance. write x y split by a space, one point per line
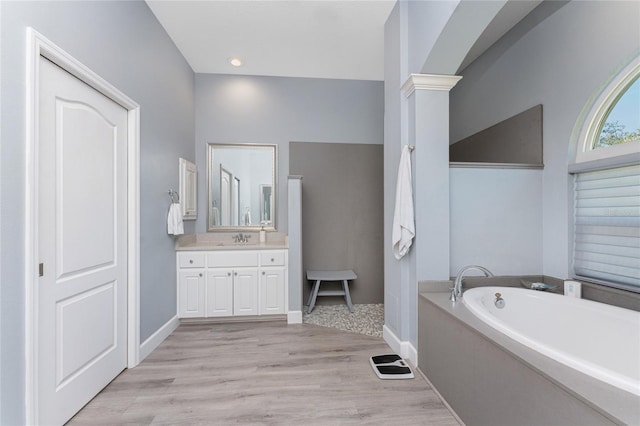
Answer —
236 62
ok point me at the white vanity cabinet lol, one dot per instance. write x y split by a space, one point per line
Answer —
224 283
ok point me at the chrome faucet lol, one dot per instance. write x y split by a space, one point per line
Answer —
456 290
241 238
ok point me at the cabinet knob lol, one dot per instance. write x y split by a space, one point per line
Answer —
200 274
228 274
272 259
235 273
263 273
191 261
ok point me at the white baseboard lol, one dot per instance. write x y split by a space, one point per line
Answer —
402 348
294 317
158 337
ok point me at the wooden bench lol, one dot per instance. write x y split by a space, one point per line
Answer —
319 276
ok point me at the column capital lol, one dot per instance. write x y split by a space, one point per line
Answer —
429 82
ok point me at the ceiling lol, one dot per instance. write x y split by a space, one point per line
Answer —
340 39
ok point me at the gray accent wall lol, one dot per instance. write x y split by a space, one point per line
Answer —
342 219
558 56
122 42
517 139
278 110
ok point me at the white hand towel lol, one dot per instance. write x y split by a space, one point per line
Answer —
174 220
215 216
403 228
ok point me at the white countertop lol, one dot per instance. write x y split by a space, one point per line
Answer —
224 241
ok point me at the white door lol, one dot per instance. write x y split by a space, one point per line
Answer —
219 292
82 244
272 291
245 291
191 297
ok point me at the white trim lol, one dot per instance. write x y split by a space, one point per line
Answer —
588 124
403 348
38 45
429 82
150 344
294 317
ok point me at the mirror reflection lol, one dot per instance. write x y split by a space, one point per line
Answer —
242 182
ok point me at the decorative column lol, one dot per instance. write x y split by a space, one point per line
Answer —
296 280
428 125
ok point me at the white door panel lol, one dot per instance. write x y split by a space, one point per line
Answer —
98 306
245 291
272 291
219 292
191 283
83 210
82 242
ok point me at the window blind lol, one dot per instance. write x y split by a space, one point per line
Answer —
607 226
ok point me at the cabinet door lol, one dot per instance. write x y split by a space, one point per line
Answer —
219 292
191 293
245 291
272 291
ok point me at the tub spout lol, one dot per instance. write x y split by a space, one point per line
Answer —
456 290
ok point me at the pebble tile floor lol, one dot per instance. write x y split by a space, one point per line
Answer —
366 319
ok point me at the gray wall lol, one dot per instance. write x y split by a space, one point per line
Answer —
517 139
277 110
122 42
342 227
558 56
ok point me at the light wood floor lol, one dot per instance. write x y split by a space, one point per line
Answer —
264 374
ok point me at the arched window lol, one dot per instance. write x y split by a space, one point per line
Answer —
622 123
611 127
606 220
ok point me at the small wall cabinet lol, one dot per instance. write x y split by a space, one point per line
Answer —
188 189
231 283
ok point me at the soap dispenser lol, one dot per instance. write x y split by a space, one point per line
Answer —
263 235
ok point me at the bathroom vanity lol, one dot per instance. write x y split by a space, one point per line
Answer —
221 278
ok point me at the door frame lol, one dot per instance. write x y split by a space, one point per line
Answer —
38 45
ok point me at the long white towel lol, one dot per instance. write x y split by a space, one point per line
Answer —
403 228
174 220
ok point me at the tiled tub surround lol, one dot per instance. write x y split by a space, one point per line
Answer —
488 378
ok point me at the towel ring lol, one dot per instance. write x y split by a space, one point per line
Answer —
173 193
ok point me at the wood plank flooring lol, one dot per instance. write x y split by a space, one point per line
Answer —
266 373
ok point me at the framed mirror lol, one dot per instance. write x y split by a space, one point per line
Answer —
241 181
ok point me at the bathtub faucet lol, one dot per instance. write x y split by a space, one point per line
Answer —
456 290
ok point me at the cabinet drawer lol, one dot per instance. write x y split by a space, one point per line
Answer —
272 258
232 259
191 260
